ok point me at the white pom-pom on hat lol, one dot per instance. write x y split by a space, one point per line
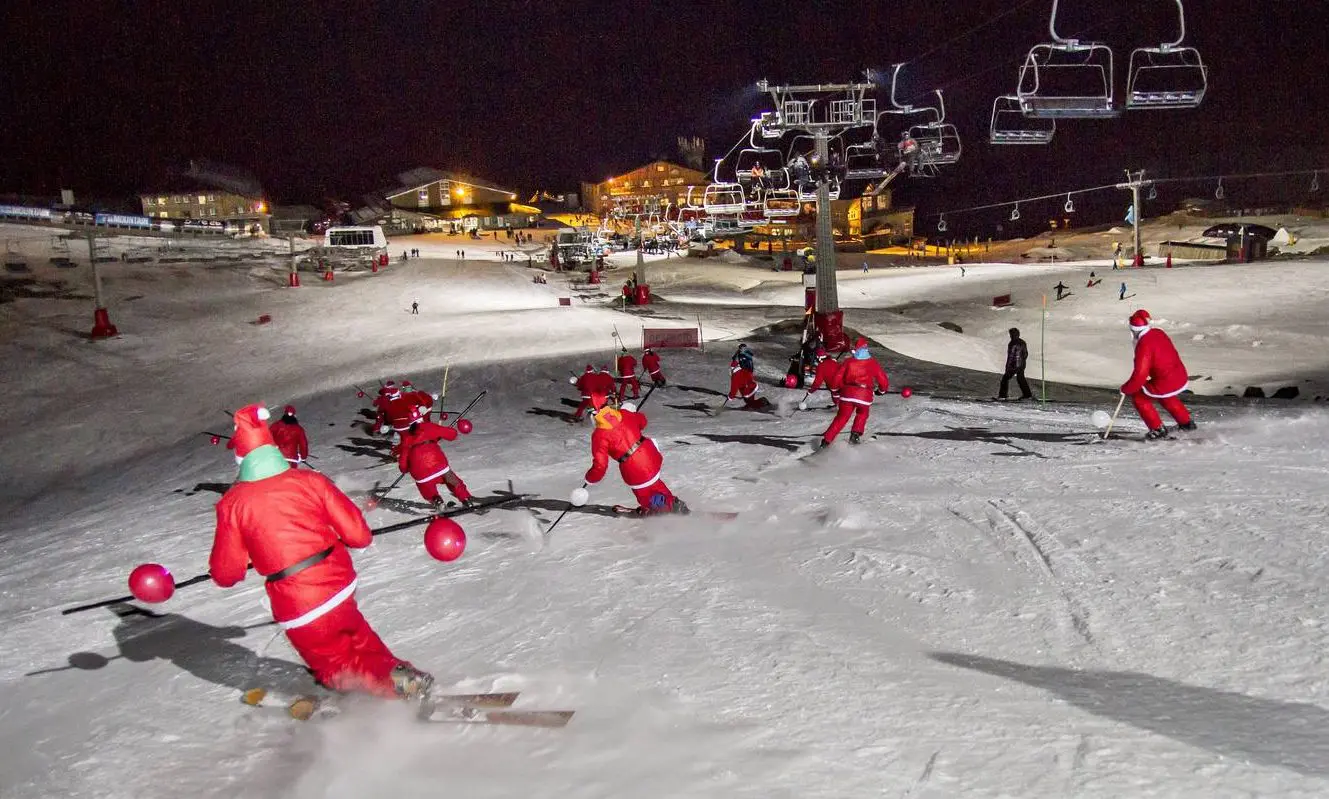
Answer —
262 414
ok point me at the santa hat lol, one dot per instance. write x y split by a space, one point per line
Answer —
1139 321
289 410
647 351
821 352
599 399
589 368
251 430
860 343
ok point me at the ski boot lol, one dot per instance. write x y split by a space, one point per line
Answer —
855 438
1188 427
823 444
1155 435
680 507
438 504
409 682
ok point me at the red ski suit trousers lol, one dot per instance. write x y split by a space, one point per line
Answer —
1144 405
345 653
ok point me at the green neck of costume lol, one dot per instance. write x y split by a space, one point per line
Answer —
261 463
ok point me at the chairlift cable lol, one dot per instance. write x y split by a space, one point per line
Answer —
971 31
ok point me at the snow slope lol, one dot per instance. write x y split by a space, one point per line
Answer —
982 601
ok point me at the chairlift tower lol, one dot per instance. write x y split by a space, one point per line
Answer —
1135 181
821 112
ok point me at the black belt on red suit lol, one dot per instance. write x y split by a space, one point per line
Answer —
632 450
301 565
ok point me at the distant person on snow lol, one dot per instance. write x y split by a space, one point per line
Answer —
743 384
1060 288
618 435
1017 357
627 375
860 379
295 527
827 376
650 361
290 437
423 458
1159 375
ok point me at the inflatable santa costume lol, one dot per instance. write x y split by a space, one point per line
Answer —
618 435
295 527
627 375
743 384
1159 375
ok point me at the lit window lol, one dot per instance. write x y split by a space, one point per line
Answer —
161 201
147 201
659 167
203 199
423 196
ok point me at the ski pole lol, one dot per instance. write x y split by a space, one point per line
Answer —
391 528
1113 420
570 506
467 409
444 393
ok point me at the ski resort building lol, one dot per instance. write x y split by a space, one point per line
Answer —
433 199
647 185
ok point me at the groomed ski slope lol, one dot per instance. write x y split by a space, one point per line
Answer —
980 601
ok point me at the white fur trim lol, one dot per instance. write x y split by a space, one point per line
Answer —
1149 393
856 401
322 610
628 406
435 475
649 482
262 414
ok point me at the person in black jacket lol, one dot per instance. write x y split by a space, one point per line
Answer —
1017 355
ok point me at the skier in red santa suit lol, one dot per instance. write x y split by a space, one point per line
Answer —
294 527
827 375
618 435
290 437
860 378
585 383
410 407
606 384
650 361
1159 375
386 393
424 459
743 384
627 375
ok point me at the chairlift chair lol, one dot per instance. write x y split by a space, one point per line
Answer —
1168 76
781 203
1067 79
1010 125
863 161
723 198
938 143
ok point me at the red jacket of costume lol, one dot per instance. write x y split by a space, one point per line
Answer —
651 363
618 433
742 383
290 439
279 521
1159 371
604 383
857 379
420 453
407 409
827 375
585 383
627 366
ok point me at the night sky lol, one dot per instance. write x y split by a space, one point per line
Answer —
333 99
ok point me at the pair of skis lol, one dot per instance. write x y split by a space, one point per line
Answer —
719 515
481 708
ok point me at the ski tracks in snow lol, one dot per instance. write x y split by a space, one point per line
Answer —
1040 552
